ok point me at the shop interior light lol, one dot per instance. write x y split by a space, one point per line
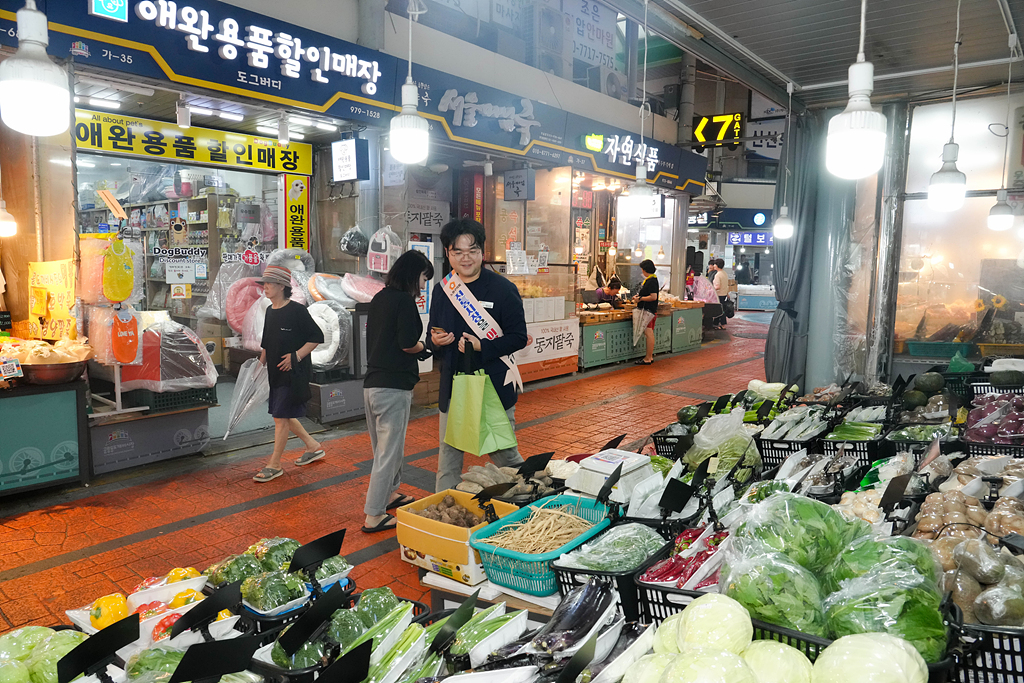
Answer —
282 130
1000 216
230 116
202 111
34 94
578 248
326 126
661 253
739 266
855 146
300 121
292 135
184 114
612 251
767 251
85 164
104 103
410 132
948 185
638 250
784 228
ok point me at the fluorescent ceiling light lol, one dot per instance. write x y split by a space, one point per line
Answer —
104 102
326 126
115 164
230 116
202 111
86 164
273 132
300 121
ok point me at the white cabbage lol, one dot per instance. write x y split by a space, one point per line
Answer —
707 665
648 669
665 640
715 621
870 658
774 662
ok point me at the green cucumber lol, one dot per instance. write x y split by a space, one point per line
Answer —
464 642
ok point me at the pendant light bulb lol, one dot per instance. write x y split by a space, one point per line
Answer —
783 228
410 132
640 188
855 147
612 251
282 131
578 248
1000 216
8 226
661 253
34 95
948 185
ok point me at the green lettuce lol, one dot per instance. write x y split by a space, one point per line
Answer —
42 664
865 553
156 658
273 553
777 590
272 589
19 644
331 566
234 568
895 599
13 671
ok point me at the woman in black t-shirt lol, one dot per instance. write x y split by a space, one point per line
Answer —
393 331
289 337
647 299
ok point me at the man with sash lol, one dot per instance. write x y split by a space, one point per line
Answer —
474 306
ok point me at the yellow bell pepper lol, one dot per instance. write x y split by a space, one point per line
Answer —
107 610
181 574
185 597
224 614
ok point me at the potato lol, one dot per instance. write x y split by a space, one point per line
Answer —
999 606
942 549
979 560
930 523
965 591
977 515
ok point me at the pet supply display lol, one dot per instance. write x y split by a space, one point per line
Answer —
292 259
360 288
118 271
385 248
354 242
173 359
335 322
241 295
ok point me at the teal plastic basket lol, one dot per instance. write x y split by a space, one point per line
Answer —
531 573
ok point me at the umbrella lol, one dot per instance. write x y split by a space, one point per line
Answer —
641 319
251 390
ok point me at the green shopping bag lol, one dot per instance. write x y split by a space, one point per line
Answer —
477 422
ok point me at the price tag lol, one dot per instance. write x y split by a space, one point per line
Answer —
535 463
315 617
580 661
721 403
315 552
10 368
676 496
713 465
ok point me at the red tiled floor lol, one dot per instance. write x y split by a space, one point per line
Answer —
50 562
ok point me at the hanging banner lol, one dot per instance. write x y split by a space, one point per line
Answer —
51 295
296 223
101 132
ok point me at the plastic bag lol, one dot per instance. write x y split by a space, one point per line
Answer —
999 606
359 288
241 295
118 271
621 548
216 300
101 331
252 328
173 359
773 588
704 291
292 259
894 599
725 436
867 552
385 248
959 364
335 322
354 242
90 281
252 391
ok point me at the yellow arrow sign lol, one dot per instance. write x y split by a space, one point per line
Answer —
698 132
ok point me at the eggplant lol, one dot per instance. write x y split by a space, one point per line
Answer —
575 616
514 662
511 649
629 634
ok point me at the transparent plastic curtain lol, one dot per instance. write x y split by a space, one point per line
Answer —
785 352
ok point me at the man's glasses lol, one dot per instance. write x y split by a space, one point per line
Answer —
459 253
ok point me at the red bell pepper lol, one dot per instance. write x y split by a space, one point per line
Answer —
163 627
150 609
709 581
148 583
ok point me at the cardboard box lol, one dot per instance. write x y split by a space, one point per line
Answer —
207 329
444 548
215 347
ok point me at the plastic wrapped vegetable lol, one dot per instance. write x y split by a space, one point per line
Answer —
715 621
345 627
18 644
725 436
272 589
707 665
234 568
42 664
809 532
866 552
775 589
777 663
619 549
274 553
468 638
374 604
156 658
894 599
13 671
648 669
411 643
309 654
1000 606
870 658
331 566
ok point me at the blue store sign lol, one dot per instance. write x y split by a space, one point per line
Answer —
741 219
206 44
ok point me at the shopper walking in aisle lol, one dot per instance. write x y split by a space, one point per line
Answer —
721 282
393 330
453 330
647 299
289 336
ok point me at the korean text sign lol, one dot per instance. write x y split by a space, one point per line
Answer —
51 289
754 238
158 140
296 227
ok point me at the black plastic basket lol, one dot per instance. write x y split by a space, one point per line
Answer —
170 400
275 674
991 654
983 387
775 452
527 499
959 384
665 444
976 450
569 579
867 452
263 624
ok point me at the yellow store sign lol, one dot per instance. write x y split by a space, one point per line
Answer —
158 140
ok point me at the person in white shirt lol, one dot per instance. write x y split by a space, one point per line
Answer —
721 282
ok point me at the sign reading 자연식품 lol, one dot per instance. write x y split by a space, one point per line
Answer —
102 132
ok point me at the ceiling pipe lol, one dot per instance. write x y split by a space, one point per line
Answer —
917 72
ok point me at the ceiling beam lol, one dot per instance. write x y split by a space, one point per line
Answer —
674 30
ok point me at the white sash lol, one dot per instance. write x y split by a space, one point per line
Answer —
480 321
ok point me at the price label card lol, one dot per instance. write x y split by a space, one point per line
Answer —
51 328
10 368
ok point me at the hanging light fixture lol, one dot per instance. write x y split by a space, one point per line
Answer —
612 251
661 253
856 138
783 227
34 94
948 185
1000 216
184 114
410 132
640 188
767 251
578 248
638 250
282 130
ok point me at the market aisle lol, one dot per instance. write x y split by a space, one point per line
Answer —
62 550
